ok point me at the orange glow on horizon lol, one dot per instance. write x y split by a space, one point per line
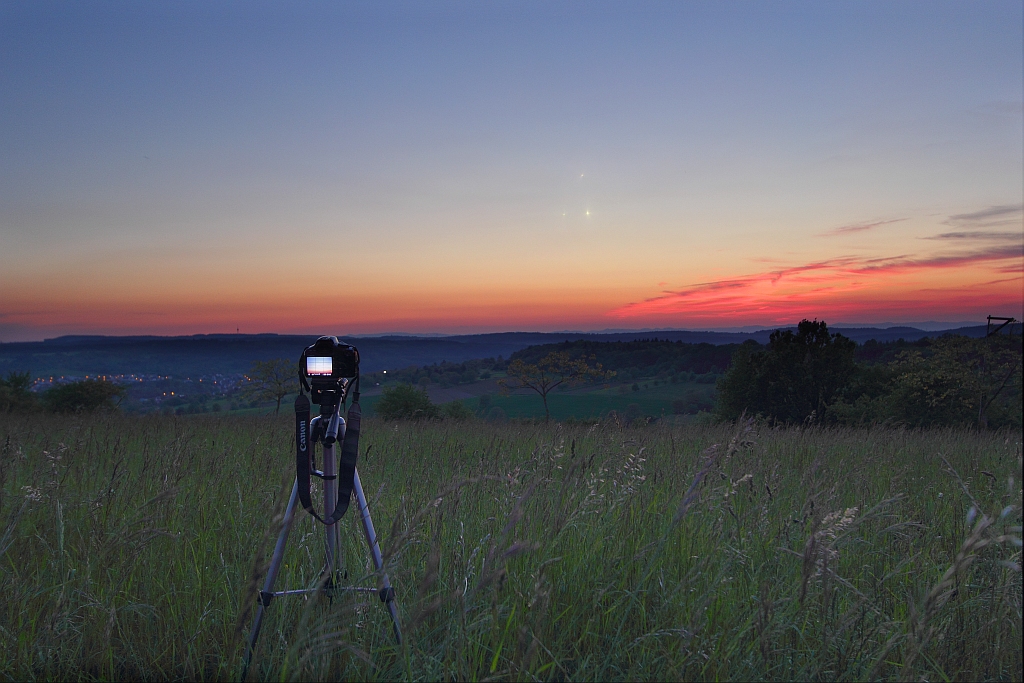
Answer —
946 287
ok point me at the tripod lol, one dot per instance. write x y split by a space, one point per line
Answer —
329 429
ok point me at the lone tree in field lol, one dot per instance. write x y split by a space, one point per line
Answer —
551 371
272 380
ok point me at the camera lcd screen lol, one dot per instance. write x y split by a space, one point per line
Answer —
319 365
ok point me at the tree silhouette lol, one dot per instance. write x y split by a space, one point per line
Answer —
15 392
272 380
84 396
551 371
797 377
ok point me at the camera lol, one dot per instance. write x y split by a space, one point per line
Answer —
326 367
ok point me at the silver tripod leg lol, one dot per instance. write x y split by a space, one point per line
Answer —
330 501
387 593
275 567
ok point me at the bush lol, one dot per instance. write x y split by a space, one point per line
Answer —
496 414
405 401
14 393
84 396
962 382
456 410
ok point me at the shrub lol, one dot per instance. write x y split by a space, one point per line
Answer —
961 382
456 410
84 396
14 393
405 401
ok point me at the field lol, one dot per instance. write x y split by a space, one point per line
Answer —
651 398
133 548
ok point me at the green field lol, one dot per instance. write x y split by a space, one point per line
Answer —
651 400
132 548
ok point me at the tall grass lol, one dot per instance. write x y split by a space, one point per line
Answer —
134 548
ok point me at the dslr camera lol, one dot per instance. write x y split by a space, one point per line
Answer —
326 368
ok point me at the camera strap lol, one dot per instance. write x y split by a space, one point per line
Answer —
347 462
303 451
304 445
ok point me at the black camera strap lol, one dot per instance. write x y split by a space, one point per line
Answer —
303 451
304 445
347 462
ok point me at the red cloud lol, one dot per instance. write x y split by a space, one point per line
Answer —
849 288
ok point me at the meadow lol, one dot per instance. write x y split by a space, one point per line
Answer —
652 398
134 547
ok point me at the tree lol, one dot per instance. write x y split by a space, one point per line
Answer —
551 371
272 380
404 401
84 396
797 376
955 380
15 394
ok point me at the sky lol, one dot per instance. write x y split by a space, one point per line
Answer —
362 168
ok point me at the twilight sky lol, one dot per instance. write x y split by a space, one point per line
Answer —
176 168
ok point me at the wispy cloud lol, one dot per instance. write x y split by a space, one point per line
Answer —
991 235
955 260
858 227
1001 214
845 283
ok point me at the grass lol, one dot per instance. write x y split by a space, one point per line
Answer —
585 403
525 551
570 406
581 403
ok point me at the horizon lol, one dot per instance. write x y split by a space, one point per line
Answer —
924 326
177 168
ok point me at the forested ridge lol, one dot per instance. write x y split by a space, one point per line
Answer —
804 375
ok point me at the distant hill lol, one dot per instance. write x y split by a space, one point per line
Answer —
234 353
